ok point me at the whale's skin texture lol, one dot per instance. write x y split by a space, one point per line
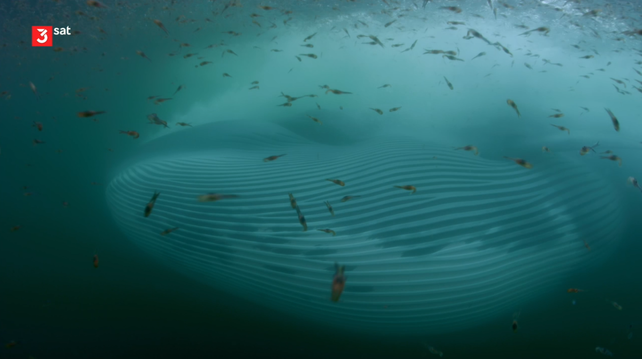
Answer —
479 239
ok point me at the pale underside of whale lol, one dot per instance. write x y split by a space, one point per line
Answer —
479 238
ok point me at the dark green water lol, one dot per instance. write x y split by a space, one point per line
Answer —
146 301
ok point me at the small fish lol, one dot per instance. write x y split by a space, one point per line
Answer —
469 148
142 54
586 149
37 125
587 246
213 197
542 29
155 120
96 4
616 123
95 260
134 134
545 149
514 326
168 231
390 23
327 203
377 110
394 109
479 55
512 104
15 228
315 120
312 56
338 282
338 92
520 162
557 115
160 24
150 205
574 290
634 182
328 231
613 158
585 109
384 86
454 9
616 306
408 188
37 142
452 58
178 89
272 158
308 45
89 113
336 181
347 198
586 57
292 201
183 124
448 83
561 128
301 219
309 37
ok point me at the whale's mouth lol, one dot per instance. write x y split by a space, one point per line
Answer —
477 237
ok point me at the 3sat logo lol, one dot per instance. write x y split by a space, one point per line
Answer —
42 36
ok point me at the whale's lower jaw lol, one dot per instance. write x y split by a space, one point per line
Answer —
477 239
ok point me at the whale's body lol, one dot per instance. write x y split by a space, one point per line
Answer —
478 239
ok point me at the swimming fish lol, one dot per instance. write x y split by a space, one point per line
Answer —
134 134
89 113
520 162
512 104
377 110
301 219
408 188
347 198
545 149
603 351
327 203
213 197
448 83
574 290
562 128
292 201
616 123
586 149
150 205
95 260
155 120
168 231
634 182
272 158
160 24
328 231
338 282
613 158
469 148
336 181
479 55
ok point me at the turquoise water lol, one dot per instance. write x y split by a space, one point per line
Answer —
482 243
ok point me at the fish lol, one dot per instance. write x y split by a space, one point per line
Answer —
178 89
347 198
557 115
586 57
168 231
634 182
574 290
616 123
454 9
301 219
478 55
37 142
448 83
336 181
469 148
411 47
613 158
142 54
312 56
183 124
603 351
408 188
586 149
315 120
151 203
37 125
338 282
272 158
96 4
309 37
33 89
90 113
95 260
520 162
14 228
155 120
545 149
616 306
161 100
338 92
512 104
377 110
394 109
213 197
328 231
327 203
542 29
134 134
160 24
514 326
562 128
292 201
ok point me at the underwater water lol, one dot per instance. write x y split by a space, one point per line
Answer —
346 179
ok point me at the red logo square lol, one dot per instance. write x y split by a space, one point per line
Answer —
42 36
